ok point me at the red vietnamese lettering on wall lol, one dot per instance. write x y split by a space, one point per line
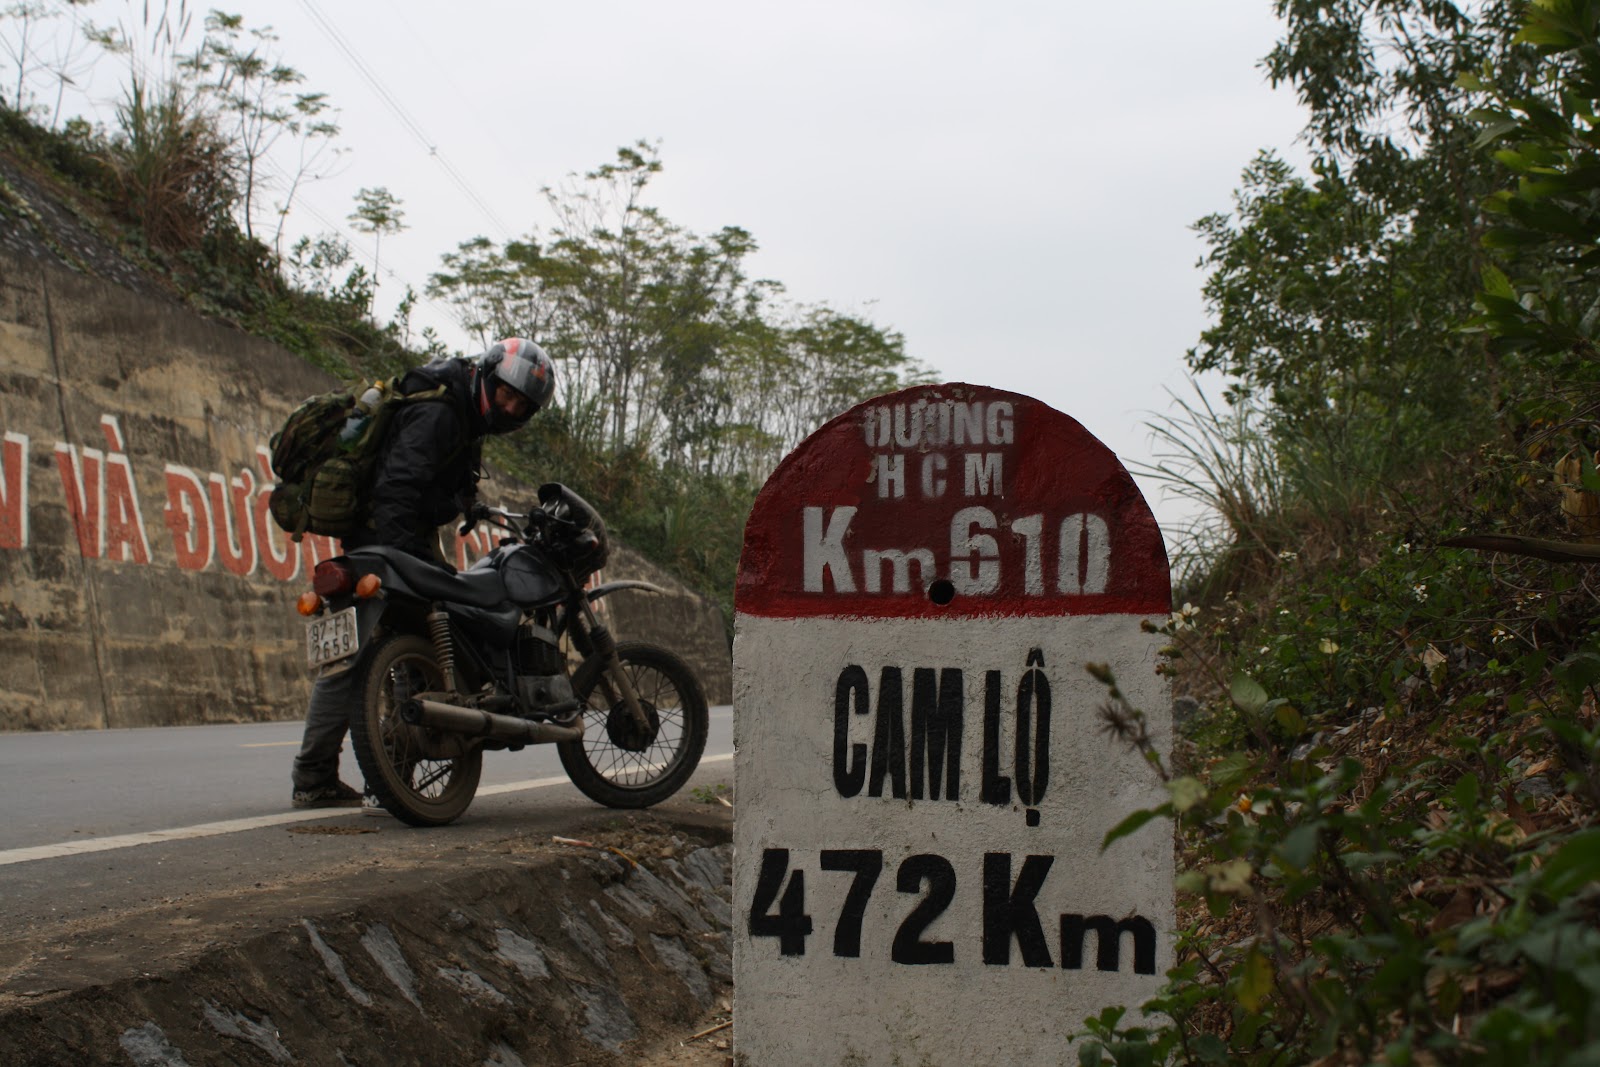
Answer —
14 491
102 499
188 518
80 480
210 517
279 555
231 520
123 534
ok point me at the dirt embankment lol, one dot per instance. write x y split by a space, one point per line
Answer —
528 952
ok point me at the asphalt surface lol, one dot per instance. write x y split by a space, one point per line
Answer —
103 822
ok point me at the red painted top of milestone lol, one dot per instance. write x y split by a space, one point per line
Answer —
952 501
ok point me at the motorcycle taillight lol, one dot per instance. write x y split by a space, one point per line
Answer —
333 578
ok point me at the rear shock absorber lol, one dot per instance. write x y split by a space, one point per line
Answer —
443 647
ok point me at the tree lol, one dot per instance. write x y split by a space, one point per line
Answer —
496 291
1338 297
377 212
667 347
23 24
1541 302
236 68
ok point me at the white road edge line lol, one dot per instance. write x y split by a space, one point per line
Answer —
234 826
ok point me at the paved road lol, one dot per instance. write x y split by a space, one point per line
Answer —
170 832
92 785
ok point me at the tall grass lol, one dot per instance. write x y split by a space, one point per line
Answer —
1266 488
175 172
1224 463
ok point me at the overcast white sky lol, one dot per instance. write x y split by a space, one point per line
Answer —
1009 184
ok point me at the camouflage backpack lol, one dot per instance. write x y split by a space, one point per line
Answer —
325 454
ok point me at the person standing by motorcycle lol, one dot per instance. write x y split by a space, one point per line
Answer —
427 474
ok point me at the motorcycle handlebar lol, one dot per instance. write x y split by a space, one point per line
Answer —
559 509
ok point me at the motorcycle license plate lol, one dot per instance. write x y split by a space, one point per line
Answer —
332 637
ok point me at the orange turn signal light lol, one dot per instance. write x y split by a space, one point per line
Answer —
308 604
368 586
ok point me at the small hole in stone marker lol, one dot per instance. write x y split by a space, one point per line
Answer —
1033 816
942 592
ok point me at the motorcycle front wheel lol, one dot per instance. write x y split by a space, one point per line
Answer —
618 764
422 777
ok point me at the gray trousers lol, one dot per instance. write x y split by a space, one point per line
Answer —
327 719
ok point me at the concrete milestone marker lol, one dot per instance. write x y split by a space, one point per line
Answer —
923 780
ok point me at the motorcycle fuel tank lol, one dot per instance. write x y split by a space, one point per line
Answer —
528 578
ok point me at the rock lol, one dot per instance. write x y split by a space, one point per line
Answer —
262 1035
148 1046
671 951
386 952
523 954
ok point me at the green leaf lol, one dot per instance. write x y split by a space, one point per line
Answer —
1465 792
1578 672
1231 770
1360 861
1248 696
1542 33
1299 847
1290 719
1495 283
1186 792
1589 477
1255 980
1132 823
1575 864
1209 1048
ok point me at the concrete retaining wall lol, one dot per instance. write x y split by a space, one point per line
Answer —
142 581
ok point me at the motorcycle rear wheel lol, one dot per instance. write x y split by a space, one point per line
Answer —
615 763
420 776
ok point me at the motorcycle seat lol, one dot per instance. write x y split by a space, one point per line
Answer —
479 588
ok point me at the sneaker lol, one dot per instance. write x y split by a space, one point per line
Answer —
370 806
336 795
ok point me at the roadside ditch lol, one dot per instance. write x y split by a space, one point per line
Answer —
610 951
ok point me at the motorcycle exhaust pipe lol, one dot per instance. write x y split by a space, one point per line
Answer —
474 722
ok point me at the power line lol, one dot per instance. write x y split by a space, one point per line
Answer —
411 125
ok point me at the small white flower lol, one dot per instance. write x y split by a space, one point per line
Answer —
1265 650
1328 645
1420 590
1183 618
1403 548
1287 556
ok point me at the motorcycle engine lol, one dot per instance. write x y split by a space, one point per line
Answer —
539 691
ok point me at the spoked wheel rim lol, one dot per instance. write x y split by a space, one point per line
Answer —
617 748
413 756
422 776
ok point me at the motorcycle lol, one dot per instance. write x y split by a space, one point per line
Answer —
456 664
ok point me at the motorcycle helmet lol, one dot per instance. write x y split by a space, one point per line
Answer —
520 365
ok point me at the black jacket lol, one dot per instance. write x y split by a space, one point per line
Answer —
428 469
